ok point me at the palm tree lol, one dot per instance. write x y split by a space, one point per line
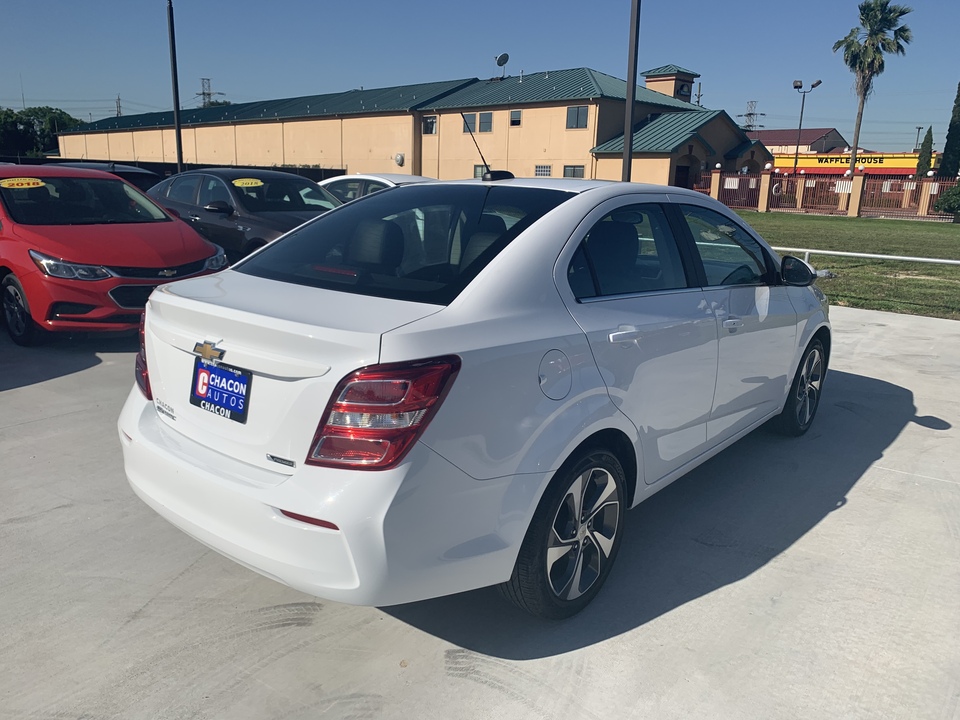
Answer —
880 32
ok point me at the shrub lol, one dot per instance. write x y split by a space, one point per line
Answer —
949 201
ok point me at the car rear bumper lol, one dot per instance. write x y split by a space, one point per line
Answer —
420 530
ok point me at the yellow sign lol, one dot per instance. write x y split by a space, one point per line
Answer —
826 161
21 183
248 182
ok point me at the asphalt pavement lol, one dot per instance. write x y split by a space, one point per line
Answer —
816 577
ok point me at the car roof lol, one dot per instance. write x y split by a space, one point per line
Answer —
396 178
231 173
612 187
42 171
107 167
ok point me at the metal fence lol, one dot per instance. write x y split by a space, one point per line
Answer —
826 194
783 193
702 184
937 188
890 197
740 190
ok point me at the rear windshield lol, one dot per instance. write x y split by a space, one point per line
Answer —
76 201
270 194
421 242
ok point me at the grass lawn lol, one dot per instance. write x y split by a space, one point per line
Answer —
904 287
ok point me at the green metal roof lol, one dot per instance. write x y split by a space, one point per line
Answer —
664 133
669 70
402 98
744 147
552 86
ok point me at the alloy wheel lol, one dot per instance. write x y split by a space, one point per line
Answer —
808 389
582 533
15 310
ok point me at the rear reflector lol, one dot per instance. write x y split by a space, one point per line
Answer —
310 520
376 414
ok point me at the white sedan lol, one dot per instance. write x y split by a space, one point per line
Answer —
461 384
351 187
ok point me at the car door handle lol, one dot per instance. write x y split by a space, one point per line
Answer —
733 323
195 218
624 334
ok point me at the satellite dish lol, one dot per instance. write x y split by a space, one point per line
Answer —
502 59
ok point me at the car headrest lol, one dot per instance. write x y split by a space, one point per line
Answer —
377 244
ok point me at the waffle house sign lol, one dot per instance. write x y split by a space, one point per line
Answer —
839 163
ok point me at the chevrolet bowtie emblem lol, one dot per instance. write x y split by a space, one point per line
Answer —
167 273
208 350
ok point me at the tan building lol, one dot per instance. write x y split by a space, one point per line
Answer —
550 124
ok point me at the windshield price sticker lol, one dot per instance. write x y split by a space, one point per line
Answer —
221 389
21 183
248 182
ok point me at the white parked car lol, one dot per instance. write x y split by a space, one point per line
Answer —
461 384
350 187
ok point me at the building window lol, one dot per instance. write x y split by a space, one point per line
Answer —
573 171
514 118
470 122
430 125
542 170
479 170
577 116
486 122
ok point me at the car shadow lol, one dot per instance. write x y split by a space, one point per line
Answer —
713 527
59 355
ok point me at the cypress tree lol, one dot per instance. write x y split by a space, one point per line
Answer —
926 153
950 161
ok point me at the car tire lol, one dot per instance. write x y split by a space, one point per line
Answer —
573 539
804 397
16 314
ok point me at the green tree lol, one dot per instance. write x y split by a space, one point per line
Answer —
16 136
44 123
950 161
926 154
879 33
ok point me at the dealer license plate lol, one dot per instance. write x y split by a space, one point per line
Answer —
221 389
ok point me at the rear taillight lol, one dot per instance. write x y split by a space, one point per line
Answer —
141 372
376 414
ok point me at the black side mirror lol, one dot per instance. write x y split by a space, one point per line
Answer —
795 271
219 206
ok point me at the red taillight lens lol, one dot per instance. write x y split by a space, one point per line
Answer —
141 372
376 414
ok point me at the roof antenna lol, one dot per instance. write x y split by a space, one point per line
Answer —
489 175
469 130
502 63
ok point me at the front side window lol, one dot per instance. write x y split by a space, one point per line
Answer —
577 116
76 201
345 190
730 255
486 122
629 251
430 125
515 116
573 171
422 243
469 122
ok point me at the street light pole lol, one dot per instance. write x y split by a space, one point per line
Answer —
631 90
798 86
176 86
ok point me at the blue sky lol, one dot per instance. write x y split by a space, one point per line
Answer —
80 55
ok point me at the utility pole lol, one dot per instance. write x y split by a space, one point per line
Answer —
119 111
176 86
631 89
916 145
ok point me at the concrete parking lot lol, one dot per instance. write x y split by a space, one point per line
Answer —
808 578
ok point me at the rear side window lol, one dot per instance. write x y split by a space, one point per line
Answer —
422 243
730 255
629 251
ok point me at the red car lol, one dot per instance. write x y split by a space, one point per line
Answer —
82 250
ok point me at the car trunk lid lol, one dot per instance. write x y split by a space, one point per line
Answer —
272 354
